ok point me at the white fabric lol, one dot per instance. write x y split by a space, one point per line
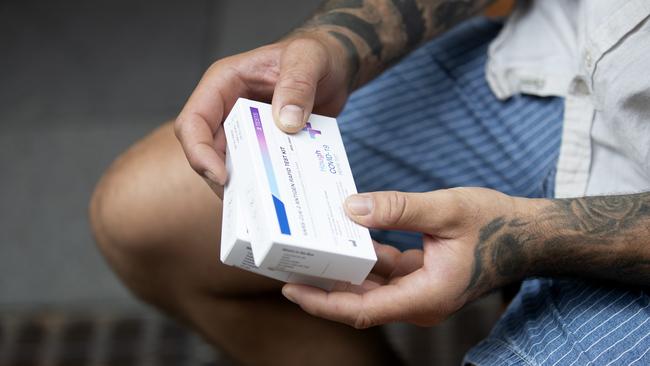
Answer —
596 54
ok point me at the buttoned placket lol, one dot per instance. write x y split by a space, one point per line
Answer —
582 101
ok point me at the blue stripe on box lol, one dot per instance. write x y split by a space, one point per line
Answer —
282 216
280 211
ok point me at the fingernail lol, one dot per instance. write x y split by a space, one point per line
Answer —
359 205
286 292
291 116
211 176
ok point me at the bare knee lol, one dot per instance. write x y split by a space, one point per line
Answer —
144 204
112 205
158 225
116 213
127 209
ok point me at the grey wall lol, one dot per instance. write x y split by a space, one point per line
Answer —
79 82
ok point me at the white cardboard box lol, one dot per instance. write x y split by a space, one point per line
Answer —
235 240
290 190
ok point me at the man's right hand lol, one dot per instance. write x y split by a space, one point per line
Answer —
299 74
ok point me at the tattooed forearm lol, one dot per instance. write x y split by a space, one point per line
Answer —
604 215
594 237
382 31
354 59
327 6
414 23
358 26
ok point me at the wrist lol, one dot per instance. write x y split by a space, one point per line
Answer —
506 250
533 233
516 248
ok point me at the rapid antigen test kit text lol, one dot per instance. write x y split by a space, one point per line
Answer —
283 211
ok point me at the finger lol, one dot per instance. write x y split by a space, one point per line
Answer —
409 262
220 148
196 137
303 64
220 143
371 282
339 306
201 118
387 259
381 305
421 212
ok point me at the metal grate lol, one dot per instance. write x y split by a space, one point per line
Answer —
100 339
114 338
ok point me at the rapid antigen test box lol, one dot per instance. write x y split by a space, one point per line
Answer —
236 244
289 191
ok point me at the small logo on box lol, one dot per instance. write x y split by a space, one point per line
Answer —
312 131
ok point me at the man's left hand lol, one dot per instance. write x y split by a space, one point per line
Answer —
471 245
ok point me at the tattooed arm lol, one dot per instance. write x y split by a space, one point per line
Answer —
604 238
376 33
477 240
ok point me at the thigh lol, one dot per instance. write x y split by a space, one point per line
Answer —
569 322
432 122
163 223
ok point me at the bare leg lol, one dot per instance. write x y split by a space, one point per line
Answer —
158 224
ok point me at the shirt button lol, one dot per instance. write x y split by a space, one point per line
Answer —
589 61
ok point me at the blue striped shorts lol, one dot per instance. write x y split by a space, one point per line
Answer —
432 122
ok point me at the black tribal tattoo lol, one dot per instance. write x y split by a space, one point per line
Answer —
358 25
354 59
605 238
377 33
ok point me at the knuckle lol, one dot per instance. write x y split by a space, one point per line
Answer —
178 128
395 208
182 128
193 159
298 83
213 69
305 44
225 68
215 66
458 205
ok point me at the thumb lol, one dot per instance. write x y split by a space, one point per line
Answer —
304 62
430 213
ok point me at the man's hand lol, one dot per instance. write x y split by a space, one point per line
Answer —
477 240
304 72
421 286
344 45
